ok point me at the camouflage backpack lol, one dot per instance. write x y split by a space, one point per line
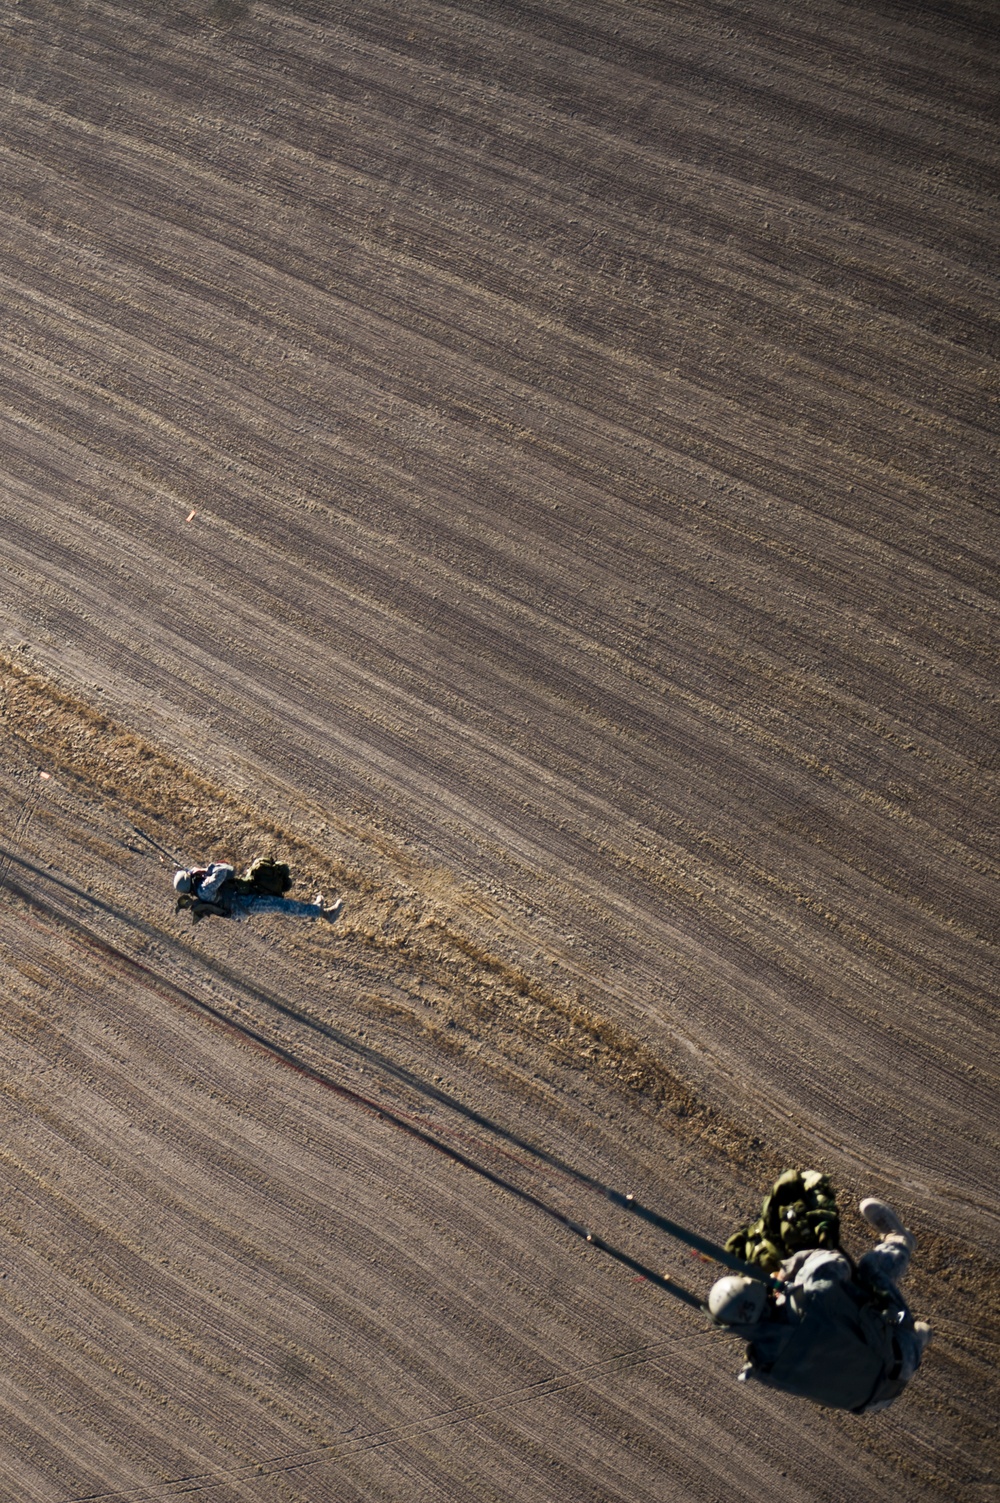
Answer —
266 878
799 1211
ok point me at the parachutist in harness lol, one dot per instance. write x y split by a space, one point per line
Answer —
216 889
817 1325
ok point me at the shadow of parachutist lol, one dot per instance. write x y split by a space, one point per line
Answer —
270 1047
373 1058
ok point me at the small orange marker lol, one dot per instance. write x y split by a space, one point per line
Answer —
45 776
190 514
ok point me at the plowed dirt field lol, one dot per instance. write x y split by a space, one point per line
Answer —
533 467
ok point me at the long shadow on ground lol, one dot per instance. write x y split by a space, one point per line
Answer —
372 1057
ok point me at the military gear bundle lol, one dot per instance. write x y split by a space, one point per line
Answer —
799 1212
265 879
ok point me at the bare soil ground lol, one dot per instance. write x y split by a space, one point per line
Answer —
533 466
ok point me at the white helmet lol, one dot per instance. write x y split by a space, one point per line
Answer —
182 882
737 1300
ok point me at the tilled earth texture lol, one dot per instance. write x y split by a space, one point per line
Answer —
531 466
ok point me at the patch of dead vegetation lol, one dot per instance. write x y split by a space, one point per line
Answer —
478 995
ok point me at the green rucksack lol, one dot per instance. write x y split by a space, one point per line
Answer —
266 878
799 1211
